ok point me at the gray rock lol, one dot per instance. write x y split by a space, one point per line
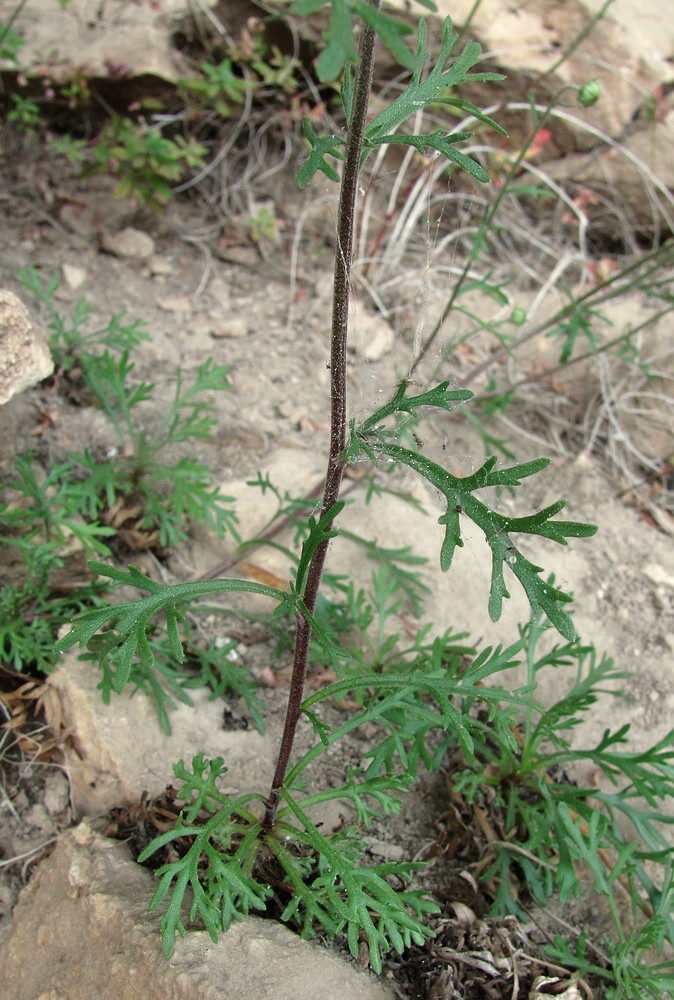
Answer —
132 40
160 265
658 574
82 930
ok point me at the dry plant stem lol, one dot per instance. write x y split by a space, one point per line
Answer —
603 292
483 229
335 471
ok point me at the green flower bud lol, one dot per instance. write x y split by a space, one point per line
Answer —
589 93
518 316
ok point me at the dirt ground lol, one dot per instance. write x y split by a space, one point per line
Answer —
247 306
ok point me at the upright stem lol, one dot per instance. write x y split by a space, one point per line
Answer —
335 471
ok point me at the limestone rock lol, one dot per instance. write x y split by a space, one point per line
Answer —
116 752
24 355
372 336
226 326
626 51
82 930
73 276
175 303
129 242
112 42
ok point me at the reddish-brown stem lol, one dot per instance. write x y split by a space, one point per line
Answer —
335 470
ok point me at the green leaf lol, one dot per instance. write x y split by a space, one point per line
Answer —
339 48
421 92
443 143
441 397
418 94
217 866
129 621
319 532
374 440
361 898
321 146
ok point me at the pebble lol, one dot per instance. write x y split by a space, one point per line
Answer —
384 849
373 338
175 303
226 326
74 277
244 256
129 242
56 793
219 291
160 265
658 574
38 818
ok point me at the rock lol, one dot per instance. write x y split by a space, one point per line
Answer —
56 794
129 242
527 40
641 168
384 849
219 291
82 930
24 355
38 817
116 752
74 277
134 40
160 265
658 575
226 326
175 303
245 256
372 337
95 205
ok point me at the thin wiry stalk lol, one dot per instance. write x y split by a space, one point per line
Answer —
335 470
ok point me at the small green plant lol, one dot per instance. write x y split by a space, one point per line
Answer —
273 67
426 697
145 471
72 345
39 527
219 87
24 113
143 160
264 225
141 477
551 829
10 43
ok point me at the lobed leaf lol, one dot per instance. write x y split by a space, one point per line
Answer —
130 620
374 440
361 898
321 146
